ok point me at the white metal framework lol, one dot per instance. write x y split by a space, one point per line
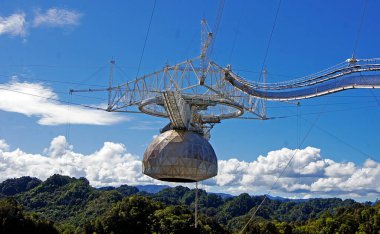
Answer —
198 93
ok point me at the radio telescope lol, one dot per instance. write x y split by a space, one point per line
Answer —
198 93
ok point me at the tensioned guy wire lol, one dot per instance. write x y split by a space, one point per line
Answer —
53 99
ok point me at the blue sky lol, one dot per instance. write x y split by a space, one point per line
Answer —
51 43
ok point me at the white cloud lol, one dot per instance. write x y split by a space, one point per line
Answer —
111 165
55 17
14 25
18 24
326 184
35 99
58 147
340 169
3 145
308 173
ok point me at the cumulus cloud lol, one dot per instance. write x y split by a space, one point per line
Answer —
19 24
55 17
37 100
309 173
14 25
110 165
3 145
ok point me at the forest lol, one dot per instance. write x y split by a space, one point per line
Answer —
62 204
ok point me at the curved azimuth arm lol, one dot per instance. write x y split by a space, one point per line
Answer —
347 75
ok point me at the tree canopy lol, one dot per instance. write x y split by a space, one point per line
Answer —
61 204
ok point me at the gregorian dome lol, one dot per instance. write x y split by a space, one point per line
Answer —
180 156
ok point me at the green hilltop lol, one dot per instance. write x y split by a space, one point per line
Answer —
62 204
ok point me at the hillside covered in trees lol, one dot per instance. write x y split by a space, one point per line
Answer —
62 204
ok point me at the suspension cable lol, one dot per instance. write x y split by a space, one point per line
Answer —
146 38
215 29
270 38
358 32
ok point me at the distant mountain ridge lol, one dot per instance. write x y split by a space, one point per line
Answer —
151 188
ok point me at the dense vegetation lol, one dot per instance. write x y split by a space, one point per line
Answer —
62 204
